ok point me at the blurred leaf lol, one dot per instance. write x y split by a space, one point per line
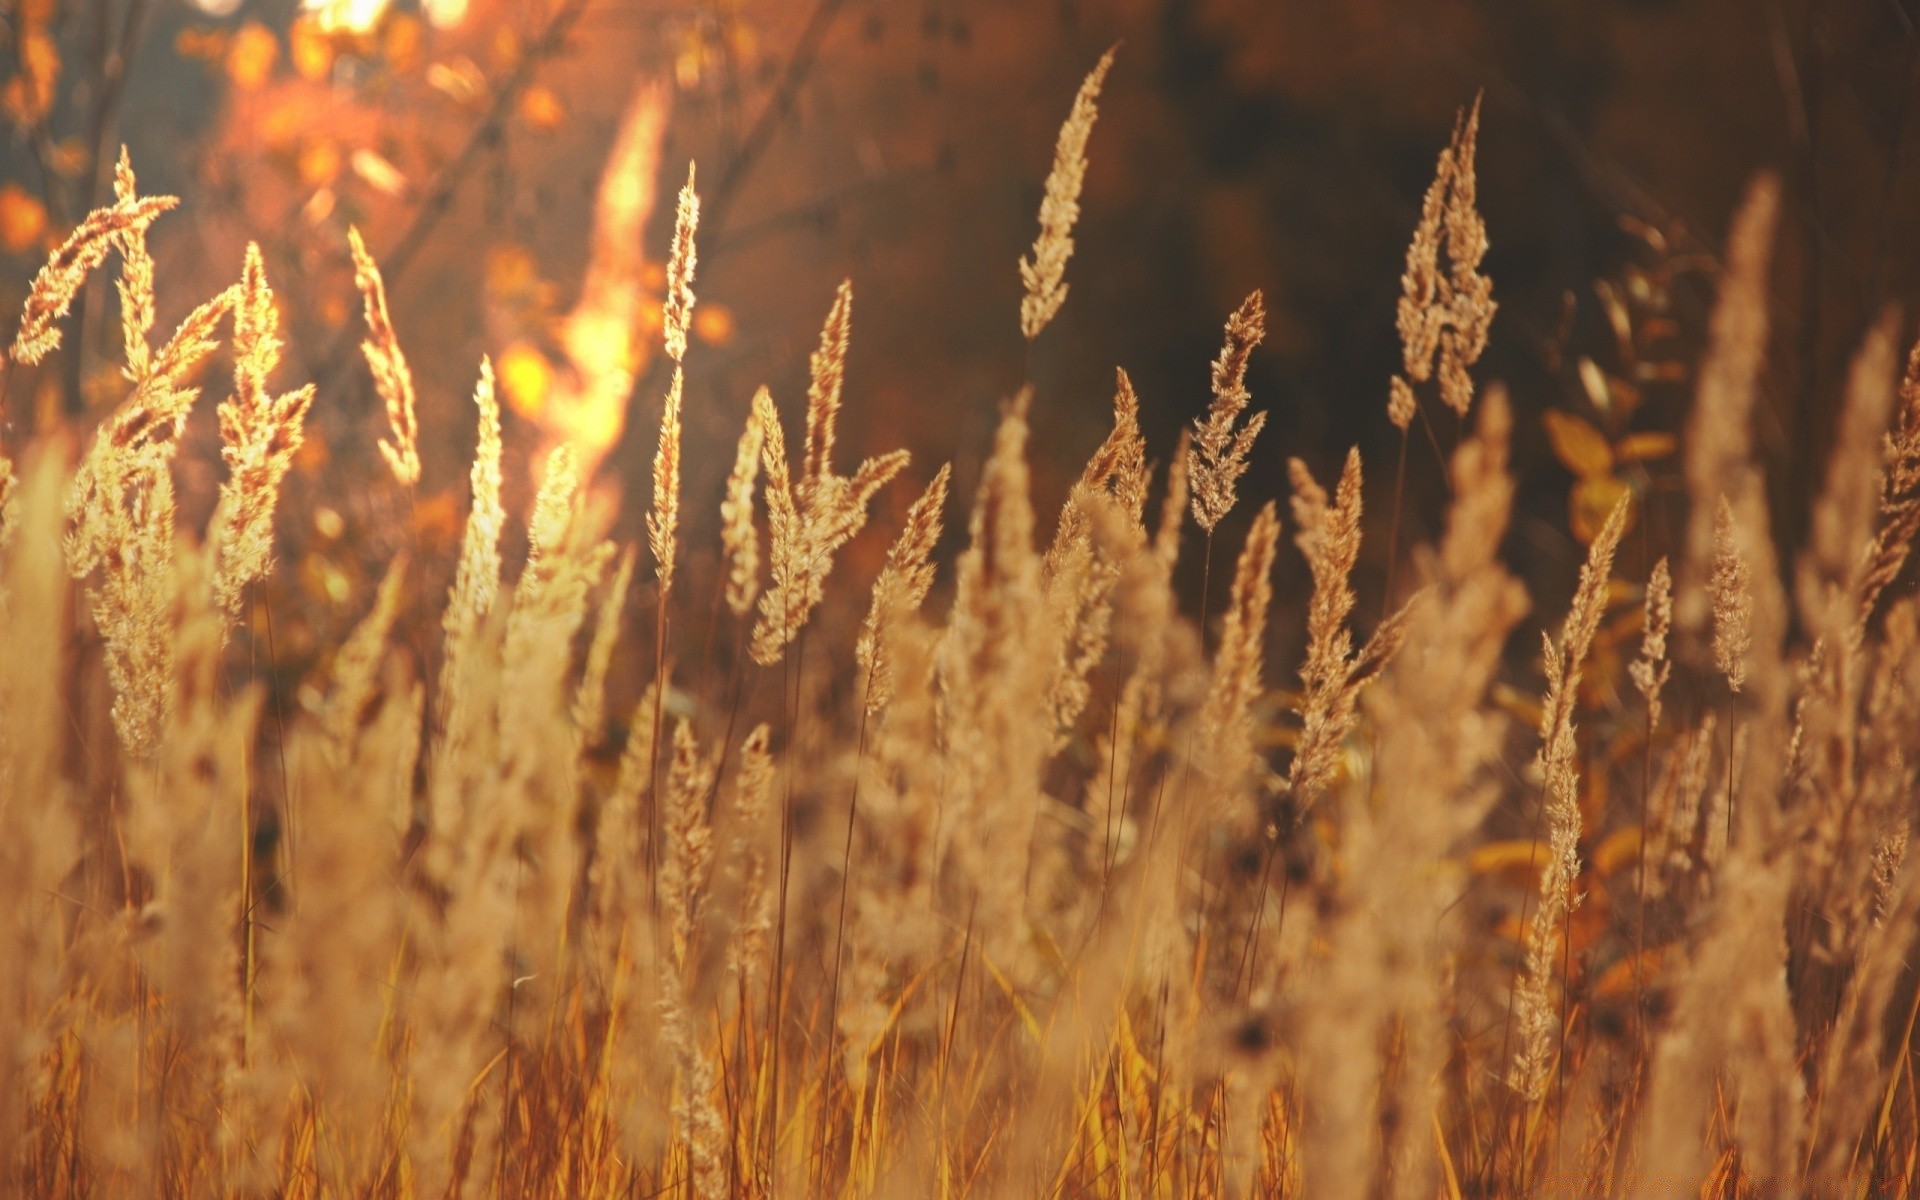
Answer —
1630 973
1580 447
1591 503
1644 447
1621 848
1519 859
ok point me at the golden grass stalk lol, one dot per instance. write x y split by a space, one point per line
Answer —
676 312
753 799
1219 451
1718 454
136 276
1044 275
259 435
1731 591
590 698
122 508
1389 925
1329 538
663 522
739 536
1226 719
1446 314
1899 502
1080 579
811 519
1535 1014
392 378
904 581
1651 670
67 268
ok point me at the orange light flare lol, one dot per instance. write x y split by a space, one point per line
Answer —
603 339
346 16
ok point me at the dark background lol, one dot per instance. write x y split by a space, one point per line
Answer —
1273 144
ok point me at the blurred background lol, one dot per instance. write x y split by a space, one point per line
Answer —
1274 144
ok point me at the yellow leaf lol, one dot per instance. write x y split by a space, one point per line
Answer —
1578 445
1591 503
1641 447
251 56
23 220
1519 858
1621 848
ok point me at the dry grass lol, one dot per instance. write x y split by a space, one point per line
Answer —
1023 886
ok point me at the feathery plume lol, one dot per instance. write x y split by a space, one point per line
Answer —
676 312
122 507
1718 460
476 580
1731 591
259 435
739 537
826 378
752 801
1332 677
664 520
1534 1010
1226 719
1045 274
391 376
811 519
1446 314
1651 670
903 584
1401 404
356 667
1219 452
590 699
1899 515
136 276
67 268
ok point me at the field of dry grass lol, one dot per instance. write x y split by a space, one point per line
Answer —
1028 884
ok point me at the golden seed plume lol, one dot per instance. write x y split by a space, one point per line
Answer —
1401 404
259 435
676 313
1219 451
1651 670
664 520
903 584
67 268
392 378
590 699
1446 314
810 520
1044 276
136 276
1226 719
1332 677
1535 1014
1731 591
739 536
826 378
